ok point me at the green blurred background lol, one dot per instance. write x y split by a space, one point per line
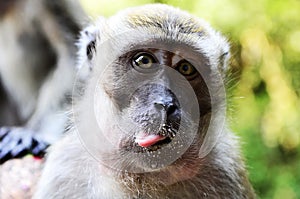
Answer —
265 109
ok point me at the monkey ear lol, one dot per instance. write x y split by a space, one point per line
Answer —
224 57
223 60
89 37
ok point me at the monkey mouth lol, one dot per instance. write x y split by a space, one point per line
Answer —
153 142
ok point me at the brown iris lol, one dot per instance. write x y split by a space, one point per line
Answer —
186 68
143 61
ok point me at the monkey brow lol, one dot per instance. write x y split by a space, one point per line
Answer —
181 24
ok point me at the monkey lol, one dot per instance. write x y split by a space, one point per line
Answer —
37 68
148 114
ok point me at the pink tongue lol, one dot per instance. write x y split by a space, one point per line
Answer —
148 140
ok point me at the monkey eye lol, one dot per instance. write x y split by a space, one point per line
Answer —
186 68
143 61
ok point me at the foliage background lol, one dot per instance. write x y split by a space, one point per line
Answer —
265 112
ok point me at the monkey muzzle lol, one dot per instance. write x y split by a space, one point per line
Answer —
168 107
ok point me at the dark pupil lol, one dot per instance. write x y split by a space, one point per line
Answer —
185 67
145 60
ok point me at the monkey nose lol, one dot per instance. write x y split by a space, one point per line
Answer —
171 109
147 140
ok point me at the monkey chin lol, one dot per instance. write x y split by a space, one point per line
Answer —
184 167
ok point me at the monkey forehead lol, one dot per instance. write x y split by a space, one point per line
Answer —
166 23
165 17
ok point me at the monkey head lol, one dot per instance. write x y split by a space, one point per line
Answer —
154 81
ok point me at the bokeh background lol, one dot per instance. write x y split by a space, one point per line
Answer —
265 109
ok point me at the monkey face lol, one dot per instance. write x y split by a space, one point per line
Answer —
159 98
151 105
154 92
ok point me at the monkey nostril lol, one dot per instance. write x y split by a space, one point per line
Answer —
159 106
171 109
